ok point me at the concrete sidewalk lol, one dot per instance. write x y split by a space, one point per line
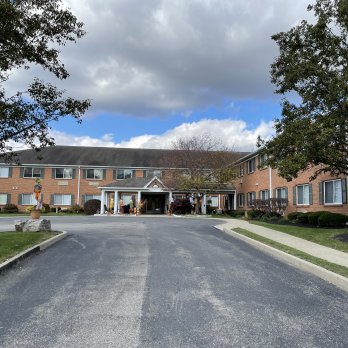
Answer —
322 252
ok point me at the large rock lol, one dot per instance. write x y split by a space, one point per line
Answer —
19 226
41 225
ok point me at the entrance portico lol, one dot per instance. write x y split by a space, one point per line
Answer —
152 196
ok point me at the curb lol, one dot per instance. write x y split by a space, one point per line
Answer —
35 249
331 277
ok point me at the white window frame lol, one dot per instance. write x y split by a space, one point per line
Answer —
4 172
262 159
3 201
35 172
91 196
282 191
251 164
305 200
67 173
28 199
64 197
95 174
334 193
127 174
264 194
241 199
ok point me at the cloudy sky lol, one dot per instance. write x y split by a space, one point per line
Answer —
161 69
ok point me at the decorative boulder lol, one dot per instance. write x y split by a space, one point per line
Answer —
41 225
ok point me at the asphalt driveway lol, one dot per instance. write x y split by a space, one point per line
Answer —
163 282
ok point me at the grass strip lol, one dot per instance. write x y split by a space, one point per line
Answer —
341 270
12 243
322 236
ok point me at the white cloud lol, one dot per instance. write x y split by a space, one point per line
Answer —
233 133
156 57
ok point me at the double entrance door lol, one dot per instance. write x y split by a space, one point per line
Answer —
153 203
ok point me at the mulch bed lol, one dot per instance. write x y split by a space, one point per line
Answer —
342 237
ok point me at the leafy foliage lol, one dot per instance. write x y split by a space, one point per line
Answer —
313 65
92 206
10 208
31 32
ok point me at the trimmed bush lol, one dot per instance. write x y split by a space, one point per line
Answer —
45 208
76 209
92 206
182 206
10 208
293 216
255 214
235 213
313 217
302 218
328 219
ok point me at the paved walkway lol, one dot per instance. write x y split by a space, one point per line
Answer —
322 252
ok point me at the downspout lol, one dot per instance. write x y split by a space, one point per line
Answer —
270 183
78 185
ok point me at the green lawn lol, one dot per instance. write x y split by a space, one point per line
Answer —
315 260
323 236
12 243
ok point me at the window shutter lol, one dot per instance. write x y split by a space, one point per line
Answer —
10 170
8 198
42 173
84 173
344 191
274 195
243 196
83 199
294 195
286 193
21 172
144 173
53 173
321 186
310 194
73 176
104 174
52 200
72 202
20 196
114 174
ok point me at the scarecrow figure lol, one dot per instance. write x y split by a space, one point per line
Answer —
37 194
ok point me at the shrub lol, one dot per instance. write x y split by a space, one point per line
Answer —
10 208
182 206
313 217
293 216
76 209
92 206
255 214
328 219
235 213
302 218
45 208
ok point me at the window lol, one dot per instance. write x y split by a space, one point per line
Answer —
27 199
89 197
126 198
4 172
61 199
333 192
251 165
153 173
281 192
29 172
3 198
251 197
241 200
124 174
96 174
303 194
262 159
63 173
264 194
241 170
213 201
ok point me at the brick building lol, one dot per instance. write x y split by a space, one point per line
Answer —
73 175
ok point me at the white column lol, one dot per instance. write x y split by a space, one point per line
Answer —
219 206
204 204
102 202
116 202
138 202
78 185
235 200
270 183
